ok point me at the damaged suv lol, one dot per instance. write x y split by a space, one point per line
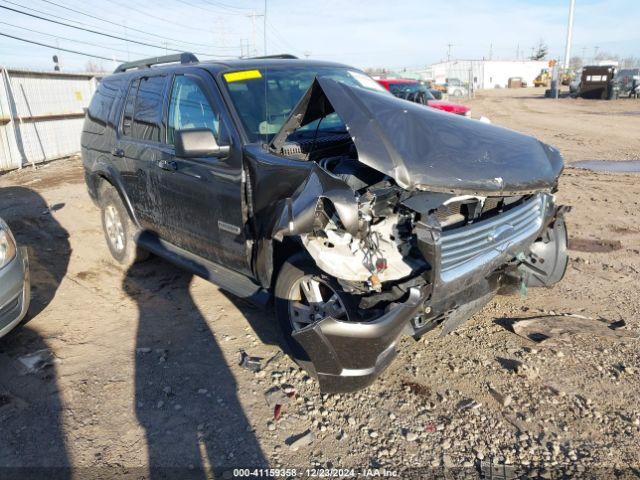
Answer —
360 216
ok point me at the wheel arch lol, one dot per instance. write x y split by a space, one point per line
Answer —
107 175
271 256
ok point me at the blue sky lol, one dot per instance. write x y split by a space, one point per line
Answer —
404 33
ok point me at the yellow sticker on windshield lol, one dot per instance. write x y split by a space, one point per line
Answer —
243 75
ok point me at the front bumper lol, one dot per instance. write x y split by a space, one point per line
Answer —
349 356
15 291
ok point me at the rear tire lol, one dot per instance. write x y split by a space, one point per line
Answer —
119 230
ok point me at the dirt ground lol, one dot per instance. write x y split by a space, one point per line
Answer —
140 369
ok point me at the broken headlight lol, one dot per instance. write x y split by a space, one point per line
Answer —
7 245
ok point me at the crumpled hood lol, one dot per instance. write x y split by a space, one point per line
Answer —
424 149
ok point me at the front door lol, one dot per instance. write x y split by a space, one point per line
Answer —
202 201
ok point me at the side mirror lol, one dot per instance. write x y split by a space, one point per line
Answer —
198 142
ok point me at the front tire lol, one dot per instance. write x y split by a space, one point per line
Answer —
304 296
119 230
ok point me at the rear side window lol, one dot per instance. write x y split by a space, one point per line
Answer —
100 106
142 118
147 117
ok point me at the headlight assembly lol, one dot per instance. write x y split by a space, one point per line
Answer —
7 245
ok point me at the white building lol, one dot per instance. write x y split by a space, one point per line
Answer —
484 73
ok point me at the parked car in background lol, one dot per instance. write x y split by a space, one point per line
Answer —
456 87
437 94
414 91
15 288
306 185
574 85
628 81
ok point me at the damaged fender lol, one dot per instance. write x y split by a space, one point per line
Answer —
301 211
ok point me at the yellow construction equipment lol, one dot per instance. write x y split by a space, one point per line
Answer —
543 79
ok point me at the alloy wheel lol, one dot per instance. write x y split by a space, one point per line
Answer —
311 299
115 229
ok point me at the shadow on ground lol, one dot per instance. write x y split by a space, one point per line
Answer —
31 435
186 396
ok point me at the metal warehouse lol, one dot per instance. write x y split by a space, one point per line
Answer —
485 73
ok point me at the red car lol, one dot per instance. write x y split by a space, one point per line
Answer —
416 92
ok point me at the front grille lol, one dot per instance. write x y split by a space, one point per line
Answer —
469 247
453 214
303 146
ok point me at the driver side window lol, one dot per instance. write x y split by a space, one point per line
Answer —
189 108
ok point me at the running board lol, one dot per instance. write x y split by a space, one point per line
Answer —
229 280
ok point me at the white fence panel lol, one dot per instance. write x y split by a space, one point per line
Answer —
10 157
41 115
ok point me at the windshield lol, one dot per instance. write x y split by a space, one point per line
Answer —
409 91
264 98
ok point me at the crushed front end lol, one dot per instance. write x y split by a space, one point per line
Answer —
406 271
411 256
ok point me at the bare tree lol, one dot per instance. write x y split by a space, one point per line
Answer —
630 62
376 71
94 67
607 56
541 52
576 63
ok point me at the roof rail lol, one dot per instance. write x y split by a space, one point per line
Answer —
183 58
284 56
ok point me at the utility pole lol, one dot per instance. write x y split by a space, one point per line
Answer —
449 45
264 24
491 51
242 45
595 53
567 49
518 52
253 16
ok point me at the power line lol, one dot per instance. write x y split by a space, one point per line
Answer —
283 41
73 39
60 49
103 20
148 14
104 34
226 6
172 22
209 10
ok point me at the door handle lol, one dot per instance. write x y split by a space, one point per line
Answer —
168 165
117 152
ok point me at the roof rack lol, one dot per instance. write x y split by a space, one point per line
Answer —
284 56
184 58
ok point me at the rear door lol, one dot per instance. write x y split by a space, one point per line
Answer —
202 198
139 146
